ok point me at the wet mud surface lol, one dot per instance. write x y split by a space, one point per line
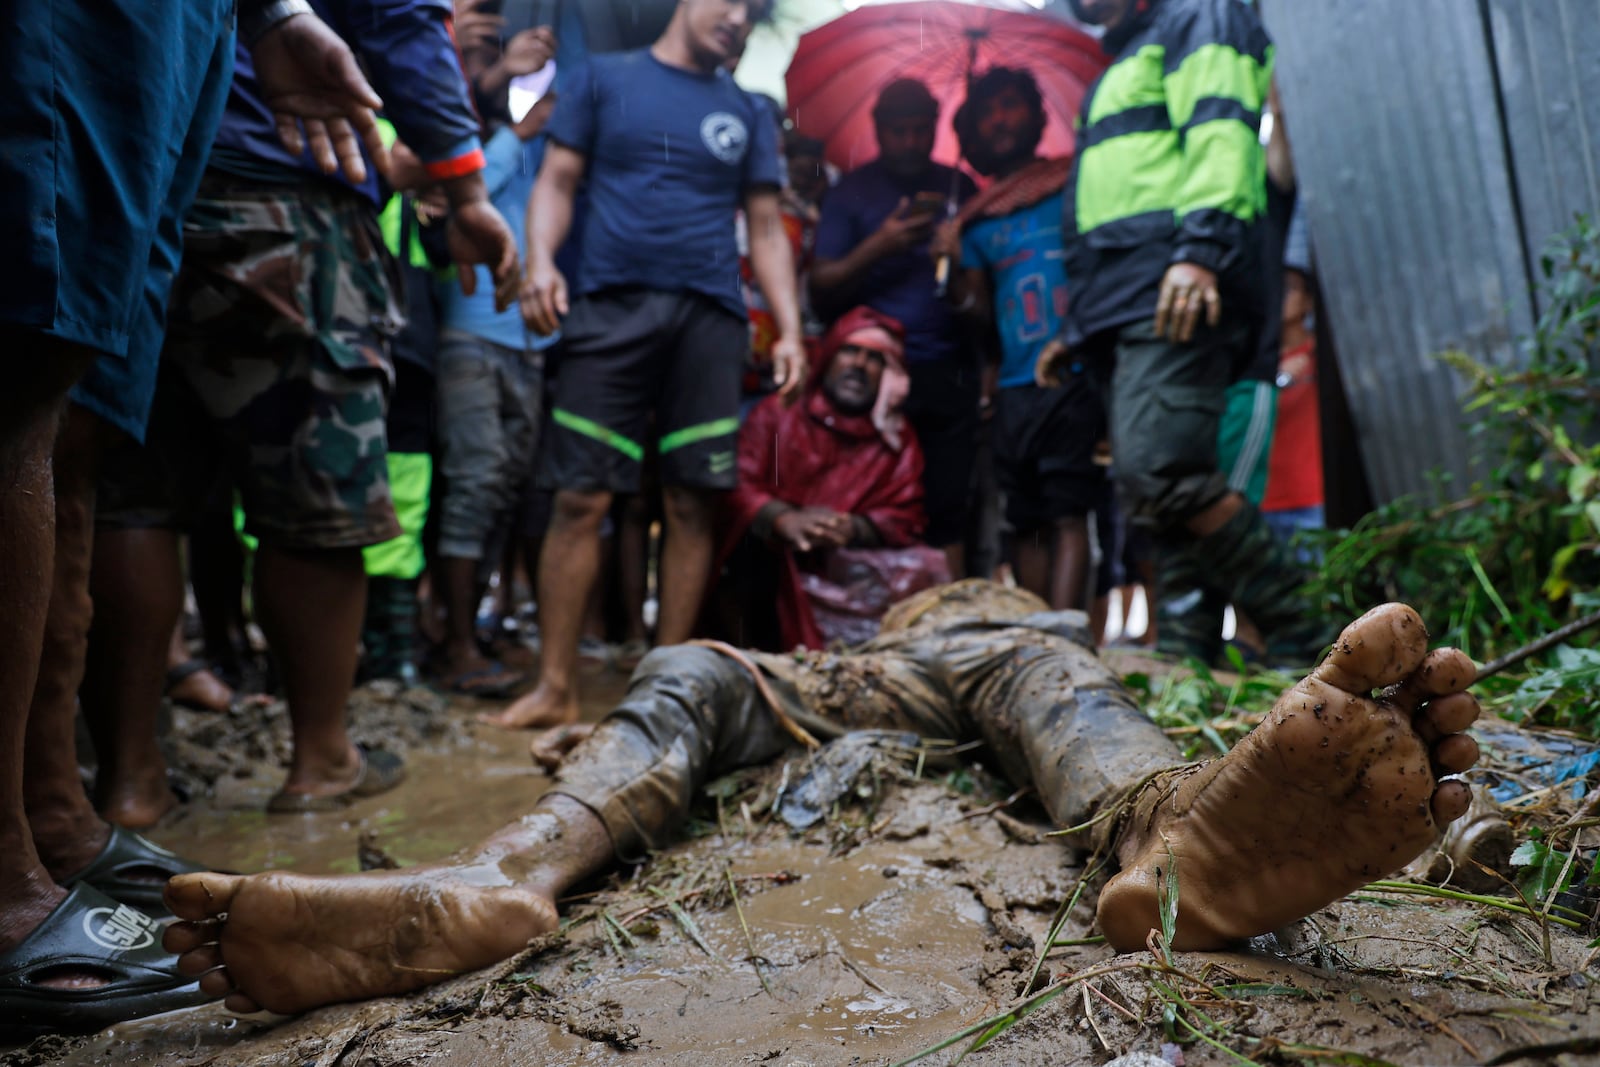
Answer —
915 909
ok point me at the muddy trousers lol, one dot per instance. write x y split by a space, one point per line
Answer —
1050 713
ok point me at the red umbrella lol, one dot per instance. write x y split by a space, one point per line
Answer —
841 66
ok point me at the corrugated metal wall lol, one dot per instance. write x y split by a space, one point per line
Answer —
1439 143
1547 53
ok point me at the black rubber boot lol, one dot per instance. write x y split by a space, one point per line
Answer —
1261 578
375 645
1188 611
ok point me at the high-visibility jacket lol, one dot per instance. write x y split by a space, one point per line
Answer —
1170 166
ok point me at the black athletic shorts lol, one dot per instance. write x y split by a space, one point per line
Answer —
1044 442
628 354
943 409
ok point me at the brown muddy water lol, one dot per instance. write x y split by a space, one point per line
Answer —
914 913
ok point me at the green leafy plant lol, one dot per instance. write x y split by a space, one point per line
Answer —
1496 563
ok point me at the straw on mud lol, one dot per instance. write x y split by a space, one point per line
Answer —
1503 903
750 942
687 923
1060 919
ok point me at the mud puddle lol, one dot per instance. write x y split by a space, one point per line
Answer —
912 914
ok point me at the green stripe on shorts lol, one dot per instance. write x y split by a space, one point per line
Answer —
702 432
578 424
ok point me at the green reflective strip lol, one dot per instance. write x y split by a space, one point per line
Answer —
1227 171
579 424
1132 81
1216 70
1128 175
703 432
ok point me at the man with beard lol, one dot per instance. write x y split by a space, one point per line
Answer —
1163 255
871 249
1006 250
838 471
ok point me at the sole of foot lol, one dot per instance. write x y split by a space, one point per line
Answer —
287 943
1338 786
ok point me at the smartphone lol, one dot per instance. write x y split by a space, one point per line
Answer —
927 204
526 14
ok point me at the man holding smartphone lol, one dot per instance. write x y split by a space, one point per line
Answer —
872 249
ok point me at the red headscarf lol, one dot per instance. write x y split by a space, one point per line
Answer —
883 334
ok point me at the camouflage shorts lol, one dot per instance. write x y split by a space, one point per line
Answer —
275 373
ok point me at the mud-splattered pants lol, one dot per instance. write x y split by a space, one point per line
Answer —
1050 713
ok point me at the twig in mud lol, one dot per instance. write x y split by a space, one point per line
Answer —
988 1029
998 805
1502 903
1495 980
1075 942
687 923
622 931
776 878
1088 1013
1097 991
1060 919
856 970
756 958
1432 1017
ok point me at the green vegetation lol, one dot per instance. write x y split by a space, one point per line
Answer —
1518 553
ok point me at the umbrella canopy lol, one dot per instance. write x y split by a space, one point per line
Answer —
841 66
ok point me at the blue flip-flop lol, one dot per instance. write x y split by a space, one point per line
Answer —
90 933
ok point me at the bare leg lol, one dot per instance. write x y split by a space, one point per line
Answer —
686 558
30 410
568 569
138 591
310 606
1032 562
1334 789
1069 571
293 942
458 586
66 830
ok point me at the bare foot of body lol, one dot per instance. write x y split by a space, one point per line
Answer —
549 748
1334 789
289 942
541 709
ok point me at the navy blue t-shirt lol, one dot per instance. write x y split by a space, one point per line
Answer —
671 154
901 284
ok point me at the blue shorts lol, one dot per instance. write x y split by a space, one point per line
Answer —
107 113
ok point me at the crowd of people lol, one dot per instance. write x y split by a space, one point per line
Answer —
596 353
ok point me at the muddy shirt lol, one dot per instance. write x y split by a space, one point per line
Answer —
671 154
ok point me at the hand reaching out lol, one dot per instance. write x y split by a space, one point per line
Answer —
318 96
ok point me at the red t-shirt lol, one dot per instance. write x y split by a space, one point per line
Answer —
1294 472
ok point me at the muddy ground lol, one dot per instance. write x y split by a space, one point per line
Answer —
912 912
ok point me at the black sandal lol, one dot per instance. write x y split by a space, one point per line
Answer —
114 872
90 933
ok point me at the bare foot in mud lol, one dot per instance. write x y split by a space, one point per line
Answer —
288 942
1334 789
549 748
541 709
